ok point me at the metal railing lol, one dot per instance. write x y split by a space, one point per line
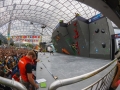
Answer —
103 83
12 83
64 82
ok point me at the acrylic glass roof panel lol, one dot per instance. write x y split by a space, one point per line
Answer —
47 12
22 27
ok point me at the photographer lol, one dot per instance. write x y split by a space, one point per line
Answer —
116 80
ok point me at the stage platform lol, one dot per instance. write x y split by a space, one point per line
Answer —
66 66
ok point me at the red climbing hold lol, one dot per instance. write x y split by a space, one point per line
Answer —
75 23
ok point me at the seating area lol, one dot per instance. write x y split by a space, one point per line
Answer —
8 63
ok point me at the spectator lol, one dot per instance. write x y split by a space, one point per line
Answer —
40 50
25 68
34 62
51 50
116 80
76 14
3 87
16 77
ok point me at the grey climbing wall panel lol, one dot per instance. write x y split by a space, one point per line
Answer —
94 39
70 29
83 39
71 32
100 39
111 32
62 33
61 30
63 42
68 40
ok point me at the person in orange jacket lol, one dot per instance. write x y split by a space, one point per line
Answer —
25 68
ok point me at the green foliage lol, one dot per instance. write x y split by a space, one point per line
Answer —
61 20
30 45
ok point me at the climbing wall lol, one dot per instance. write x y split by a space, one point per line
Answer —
79 34
61 40
68 40
100 38
74 34
91 39
83 38
61 30
54 44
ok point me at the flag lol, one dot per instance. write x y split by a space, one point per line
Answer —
38 36
35 36
25 36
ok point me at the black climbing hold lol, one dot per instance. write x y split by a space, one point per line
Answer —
119 44
102 31
97 30
94 22
41 68
103 45
31 22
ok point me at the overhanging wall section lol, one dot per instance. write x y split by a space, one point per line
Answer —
62 40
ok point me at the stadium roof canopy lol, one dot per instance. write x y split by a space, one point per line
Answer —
28 16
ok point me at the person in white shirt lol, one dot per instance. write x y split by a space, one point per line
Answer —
50 50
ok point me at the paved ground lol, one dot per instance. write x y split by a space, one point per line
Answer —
65 66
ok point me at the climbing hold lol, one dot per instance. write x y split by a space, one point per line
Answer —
96 50
75 23
102 31
65 51
75 30
103 45
94 22
41 68
97 30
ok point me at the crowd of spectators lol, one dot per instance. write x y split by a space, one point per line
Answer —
9 57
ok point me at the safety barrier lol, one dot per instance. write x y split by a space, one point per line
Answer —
12 83
101 84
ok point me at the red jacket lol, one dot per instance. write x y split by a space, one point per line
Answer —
21 64
16 78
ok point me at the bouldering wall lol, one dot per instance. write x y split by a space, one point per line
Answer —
100 38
